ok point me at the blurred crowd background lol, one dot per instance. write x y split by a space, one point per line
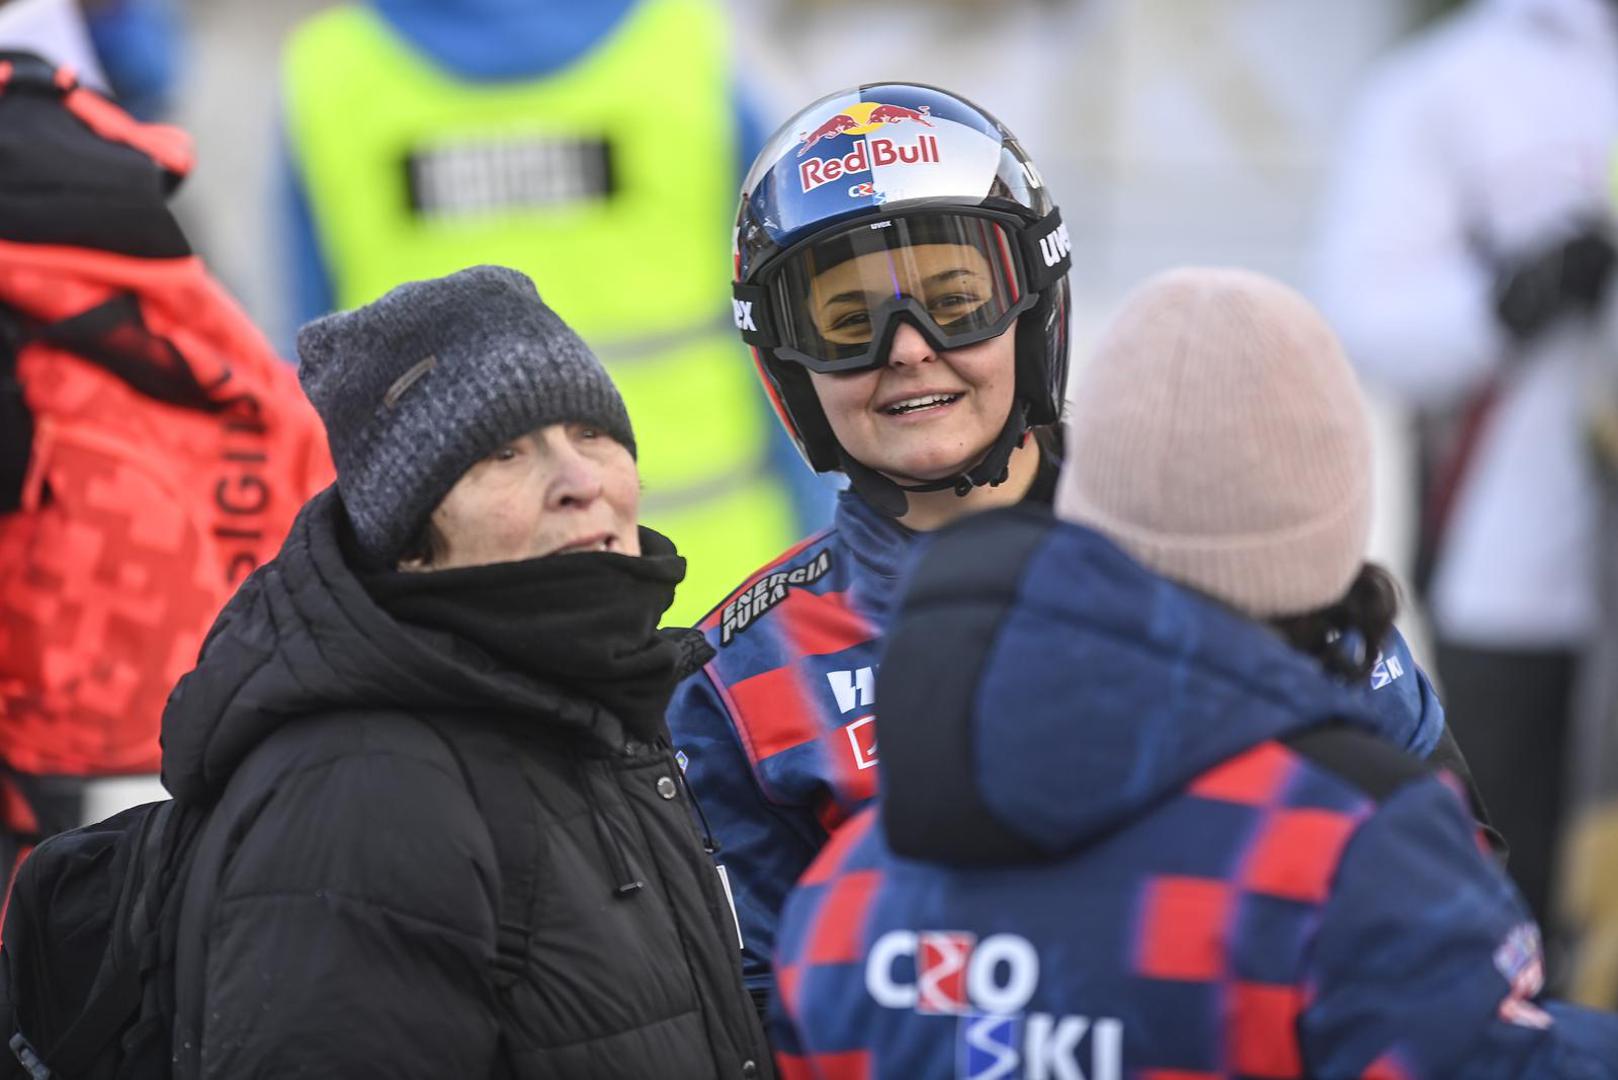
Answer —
1170 131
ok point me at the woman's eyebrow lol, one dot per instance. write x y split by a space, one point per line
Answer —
852 295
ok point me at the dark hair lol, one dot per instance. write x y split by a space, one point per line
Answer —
1346 636
423 545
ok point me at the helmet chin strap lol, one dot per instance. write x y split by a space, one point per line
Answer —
888 496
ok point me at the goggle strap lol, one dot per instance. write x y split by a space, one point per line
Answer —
750 307
1047 252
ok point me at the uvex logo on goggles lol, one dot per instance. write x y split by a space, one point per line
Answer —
1055 246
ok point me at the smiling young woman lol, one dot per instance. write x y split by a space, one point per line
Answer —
910 325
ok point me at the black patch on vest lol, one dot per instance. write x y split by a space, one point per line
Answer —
501 176
751 603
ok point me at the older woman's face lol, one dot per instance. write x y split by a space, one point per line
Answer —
558 490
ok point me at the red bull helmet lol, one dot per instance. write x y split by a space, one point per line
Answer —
891 168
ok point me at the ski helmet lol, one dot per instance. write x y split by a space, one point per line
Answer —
892 167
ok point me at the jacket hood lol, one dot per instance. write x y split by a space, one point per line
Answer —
489 40
303 637
1041 689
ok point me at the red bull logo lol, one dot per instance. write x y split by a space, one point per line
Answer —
863 118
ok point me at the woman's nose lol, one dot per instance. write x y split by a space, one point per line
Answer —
909 347
575 480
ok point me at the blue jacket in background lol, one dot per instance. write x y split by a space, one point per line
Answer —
777 733
141 46
1124 831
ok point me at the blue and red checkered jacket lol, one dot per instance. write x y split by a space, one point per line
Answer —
777 734
1125 832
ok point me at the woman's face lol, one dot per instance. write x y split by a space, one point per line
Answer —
927 413
558 490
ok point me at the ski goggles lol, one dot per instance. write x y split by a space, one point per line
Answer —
833 303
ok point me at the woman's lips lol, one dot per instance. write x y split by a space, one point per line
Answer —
593 542
920 406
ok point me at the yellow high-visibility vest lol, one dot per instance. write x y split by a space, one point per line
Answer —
611 183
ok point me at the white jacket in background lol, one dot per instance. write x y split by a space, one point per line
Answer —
1484 138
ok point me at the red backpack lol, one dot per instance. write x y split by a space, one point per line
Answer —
170 448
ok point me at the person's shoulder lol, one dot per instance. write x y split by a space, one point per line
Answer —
346 768
331 743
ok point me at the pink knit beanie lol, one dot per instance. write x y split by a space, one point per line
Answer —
1219 436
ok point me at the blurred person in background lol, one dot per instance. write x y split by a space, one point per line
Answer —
131 50
141 47
447 836
903 279
594 146
153 449
1466 246
1135 818
1589 877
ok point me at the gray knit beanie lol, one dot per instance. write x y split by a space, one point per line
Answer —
419 386
1219 436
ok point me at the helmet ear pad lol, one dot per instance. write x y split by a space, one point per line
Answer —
1042 356
802 405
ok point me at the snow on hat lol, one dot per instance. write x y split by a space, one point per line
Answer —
1219 436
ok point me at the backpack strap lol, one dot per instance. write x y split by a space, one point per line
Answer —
117 995
16 422
491 767
114 336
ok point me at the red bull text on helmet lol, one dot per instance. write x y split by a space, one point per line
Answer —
861 118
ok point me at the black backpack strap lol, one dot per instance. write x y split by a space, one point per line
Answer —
155 924
1447 755
114 336
117 995
16 422
1379 769
131 1001
491 767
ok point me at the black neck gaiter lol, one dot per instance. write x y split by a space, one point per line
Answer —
585 624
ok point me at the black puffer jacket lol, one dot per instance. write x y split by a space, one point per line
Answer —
340 918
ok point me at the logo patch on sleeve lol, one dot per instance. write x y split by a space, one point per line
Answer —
1386 669
1519 960
766 593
